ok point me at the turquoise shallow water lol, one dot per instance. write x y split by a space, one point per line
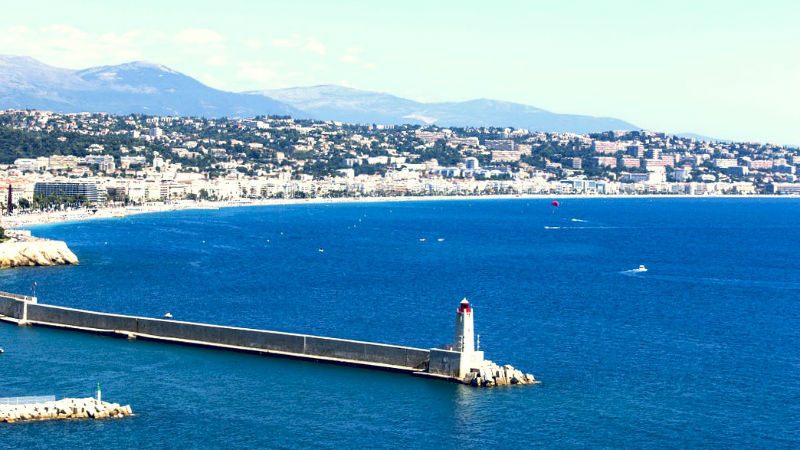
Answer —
700 350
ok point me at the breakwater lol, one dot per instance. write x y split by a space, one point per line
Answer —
453 365
67 408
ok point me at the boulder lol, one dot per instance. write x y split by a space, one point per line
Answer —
36 253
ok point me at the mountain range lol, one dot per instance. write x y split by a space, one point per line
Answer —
148 88
137 87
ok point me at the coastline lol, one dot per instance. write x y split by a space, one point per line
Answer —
86 214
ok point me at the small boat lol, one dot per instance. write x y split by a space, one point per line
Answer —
168 316
320 250
422 239
641 268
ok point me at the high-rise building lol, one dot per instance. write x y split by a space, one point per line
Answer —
681 175
92 192
606 161
635 150
472 163
500 144
605 147
629 162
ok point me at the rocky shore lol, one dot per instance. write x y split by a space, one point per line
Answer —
68 408
24 250
490 374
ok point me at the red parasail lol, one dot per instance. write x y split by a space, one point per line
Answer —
555 203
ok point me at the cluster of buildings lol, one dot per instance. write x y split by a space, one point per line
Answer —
136 159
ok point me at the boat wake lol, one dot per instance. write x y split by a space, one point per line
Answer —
634 272
717 281
592 228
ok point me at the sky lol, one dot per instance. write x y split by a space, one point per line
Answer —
724 69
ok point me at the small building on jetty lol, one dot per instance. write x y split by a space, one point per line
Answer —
459 362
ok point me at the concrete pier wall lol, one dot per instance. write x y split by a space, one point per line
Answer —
79 318
287 344
11 307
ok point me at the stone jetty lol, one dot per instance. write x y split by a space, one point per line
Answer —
68 408
462 361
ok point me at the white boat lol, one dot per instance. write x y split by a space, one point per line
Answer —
641 268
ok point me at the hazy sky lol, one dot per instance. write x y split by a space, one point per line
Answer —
727 69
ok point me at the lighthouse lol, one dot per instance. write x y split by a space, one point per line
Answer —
458 359
464 341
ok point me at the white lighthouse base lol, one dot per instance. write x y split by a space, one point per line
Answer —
454 364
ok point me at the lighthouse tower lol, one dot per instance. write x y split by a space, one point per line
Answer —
464 341
458 359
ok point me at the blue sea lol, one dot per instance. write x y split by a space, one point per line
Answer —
703 349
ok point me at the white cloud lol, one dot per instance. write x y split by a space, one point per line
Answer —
254 44
314 46
217 60
284 43
350 59
19 29
305 44
68 46
199 36
198 52
255 71
67 31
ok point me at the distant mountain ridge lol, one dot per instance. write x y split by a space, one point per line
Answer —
136 87
344 104
149 88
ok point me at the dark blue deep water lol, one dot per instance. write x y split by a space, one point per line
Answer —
702 350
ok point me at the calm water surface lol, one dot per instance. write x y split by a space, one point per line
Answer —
702 350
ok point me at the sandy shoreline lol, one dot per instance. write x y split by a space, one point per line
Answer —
42 218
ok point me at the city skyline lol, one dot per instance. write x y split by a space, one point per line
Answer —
710 69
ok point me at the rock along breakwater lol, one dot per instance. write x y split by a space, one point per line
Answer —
67 408
490 374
